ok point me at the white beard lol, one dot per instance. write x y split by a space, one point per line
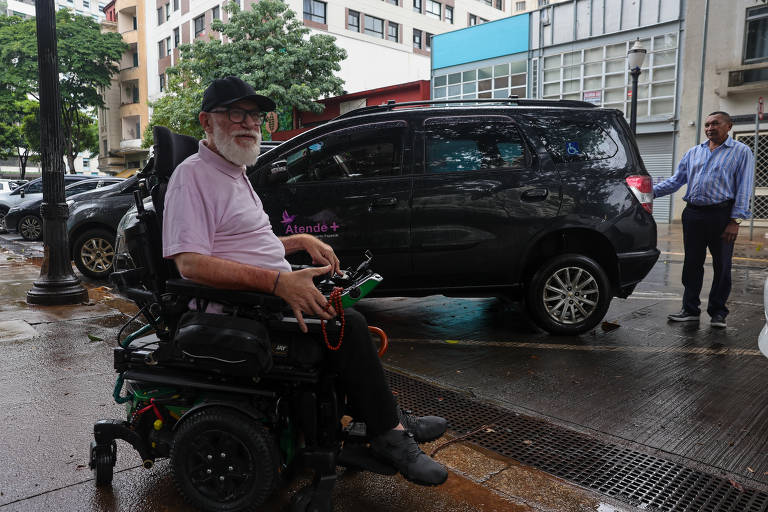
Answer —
228 147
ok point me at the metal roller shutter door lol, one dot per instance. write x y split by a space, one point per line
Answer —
656 152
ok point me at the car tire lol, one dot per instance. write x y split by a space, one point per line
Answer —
3 211
94 253
30 228
568 295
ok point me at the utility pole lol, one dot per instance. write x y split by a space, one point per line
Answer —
57 283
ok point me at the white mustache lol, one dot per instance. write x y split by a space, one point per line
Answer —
249 133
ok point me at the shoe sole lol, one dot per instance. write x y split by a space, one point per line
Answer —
718 325
428 440
684 319
425 484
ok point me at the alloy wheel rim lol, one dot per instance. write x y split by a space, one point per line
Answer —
220 466
30 228
97 255
571 295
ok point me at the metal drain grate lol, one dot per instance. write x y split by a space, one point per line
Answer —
633 477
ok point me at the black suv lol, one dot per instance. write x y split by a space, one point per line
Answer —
543 200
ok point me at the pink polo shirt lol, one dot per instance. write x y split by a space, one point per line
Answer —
212 209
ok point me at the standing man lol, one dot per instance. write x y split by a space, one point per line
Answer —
719 174
216 231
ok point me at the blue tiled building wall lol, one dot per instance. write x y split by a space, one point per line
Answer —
484 41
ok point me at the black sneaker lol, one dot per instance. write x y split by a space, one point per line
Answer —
683 316
398 448
718 321
423 428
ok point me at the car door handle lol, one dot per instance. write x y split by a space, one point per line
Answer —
384 201
535 194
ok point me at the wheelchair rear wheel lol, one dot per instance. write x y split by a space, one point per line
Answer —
224 461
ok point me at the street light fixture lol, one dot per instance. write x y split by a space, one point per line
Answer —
635 58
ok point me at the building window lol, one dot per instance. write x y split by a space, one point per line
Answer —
135 59
374 27
434 9
105 147
393 2
428 41
175 5
449 14
199 25
86 4
135 94
167 11
476 20
160 49
393 32
520 6
215 13
168 45
497 81
542 3
162 82
135 23
500 5
314 11
176 37
417 38
86 163
160 16
353 21
417 5
756 47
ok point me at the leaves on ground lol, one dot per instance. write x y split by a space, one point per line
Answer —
94 338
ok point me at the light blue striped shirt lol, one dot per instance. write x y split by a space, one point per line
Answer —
714 176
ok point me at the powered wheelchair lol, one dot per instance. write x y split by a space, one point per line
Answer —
237 400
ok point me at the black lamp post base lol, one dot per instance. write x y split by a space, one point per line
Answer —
57 293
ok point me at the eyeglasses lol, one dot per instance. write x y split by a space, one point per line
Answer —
237 115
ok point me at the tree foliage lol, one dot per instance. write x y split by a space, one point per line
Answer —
267 47
87 61
14 141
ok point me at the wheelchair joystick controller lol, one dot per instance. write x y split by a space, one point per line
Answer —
355 284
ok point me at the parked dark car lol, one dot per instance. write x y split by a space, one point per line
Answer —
93 218
31 190
543 200
25 217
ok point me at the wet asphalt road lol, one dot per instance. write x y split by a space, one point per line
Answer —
684 392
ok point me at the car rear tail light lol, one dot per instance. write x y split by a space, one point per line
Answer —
642 187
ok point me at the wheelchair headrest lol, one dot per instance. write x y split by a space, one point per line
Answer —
170 150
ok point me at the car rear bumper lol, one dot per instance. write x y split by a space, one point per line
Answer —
762 340
633 267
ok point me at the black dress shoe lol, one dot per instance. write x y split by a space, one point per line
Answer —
684 316
423 428
397 447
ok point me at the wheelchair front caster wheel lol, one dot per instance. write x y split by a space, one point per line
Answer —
103 459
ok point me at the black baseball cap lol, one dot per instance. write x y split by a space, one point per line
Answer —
225 91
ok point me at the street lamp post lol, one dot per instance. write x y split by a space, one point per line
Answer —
57 283
635 58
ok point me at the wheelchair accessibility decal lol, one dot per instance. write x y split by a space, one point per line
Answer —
572 148
319 228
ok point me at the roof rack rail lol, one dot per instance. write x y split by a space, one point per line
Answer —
523 102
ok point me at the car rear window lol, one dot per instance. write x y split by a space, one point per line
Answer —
576 141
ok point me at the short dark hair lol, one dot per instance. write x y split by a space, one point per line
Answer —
725 115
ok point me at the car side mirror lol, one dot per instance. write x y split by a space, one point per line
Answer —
278 173
21 192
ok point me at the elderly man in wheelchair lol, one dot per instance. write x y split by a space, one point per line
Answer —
228 378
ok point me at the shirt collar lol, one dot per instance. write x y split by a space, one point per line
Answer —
729 142
218 162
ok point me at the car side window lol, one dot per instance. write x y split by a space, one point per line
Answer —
473 146
350 155
81 187
577 141
34 188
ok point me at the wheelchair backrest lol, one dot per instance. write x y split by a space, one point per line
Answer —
170 150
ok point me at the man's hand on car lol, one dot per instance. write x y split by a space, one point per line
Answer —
301 294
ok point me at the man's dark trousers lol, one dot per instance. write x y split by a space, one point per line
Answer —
362 375
702 229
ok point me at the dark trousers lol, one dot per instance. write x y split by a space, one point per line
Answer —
702 230
362 375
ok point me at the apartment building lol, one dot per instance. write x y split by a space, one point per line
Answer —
126 112
388 42
26 8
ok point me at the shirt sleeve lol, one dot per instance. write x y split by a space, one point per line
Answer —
673 183
188 221
744 177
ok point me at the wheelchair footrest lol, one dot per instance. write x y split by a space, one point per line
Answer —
358 456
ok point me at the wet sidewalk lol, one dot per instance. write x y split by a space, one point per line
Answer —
56 375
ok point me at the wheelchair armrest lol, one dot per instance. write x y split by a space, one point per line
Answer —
191 289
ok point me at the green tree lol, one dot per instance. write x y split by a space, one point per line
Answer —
85 132
87 61
14 142
268 48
